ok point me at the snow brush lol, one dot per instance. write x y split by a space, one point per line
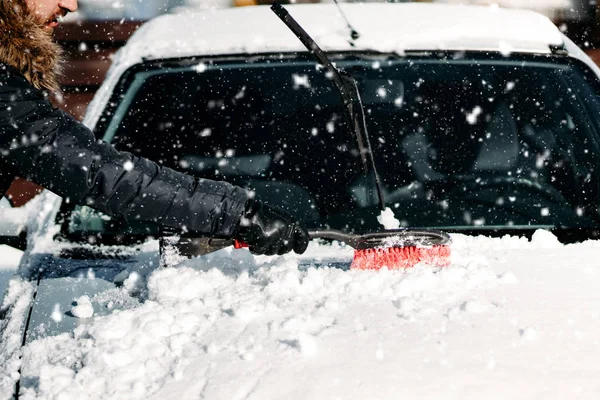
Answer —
393 249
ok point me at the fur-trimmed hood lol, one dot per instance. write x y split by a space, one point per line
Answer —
26 46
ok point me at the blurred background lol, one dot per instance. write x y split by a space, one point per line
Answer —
92 34
144 9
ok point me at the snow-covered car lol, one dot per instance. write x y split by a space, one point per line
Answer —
482 121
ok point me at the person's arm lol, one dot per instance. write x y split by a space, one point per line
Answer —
50 148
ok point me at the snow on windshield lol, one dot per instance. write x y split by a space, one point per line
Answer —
509 318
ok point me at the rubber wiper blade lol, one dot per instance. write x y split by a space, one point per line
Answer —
348 89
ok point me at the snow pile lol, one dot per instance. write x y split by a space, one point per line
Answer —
83 308
547 7
509 318
12 222
388 220
9 261
13 310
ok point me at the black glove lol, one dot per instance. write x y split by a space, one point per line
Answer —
270 231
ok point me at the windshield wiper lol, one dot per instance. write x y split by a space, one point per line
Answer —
348 88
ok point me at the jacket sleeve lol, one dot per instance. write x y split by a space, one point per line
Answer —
50 148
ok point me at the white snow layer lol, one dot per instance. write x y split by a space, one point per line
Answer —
510 318
538 5
83 308
12 222
16 303
388 220
9 261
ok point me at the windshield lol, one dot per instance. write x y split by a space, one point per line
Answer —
459 143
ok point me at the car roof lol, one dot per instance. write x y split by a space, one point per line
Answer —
388 27
383 27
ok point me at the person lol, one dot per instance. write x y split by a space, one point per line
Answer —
49 147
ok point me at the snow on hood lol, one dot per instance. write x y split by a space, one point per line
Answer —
509 318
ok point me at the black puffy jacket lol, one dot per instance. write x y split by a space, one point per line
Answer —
49 147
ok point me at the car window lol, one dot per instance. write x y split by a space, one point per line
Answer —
459 143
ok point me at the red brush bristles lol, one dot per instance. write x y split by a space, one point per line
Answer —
400 257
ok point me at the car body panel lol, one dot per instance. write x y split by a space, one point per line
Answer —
111 283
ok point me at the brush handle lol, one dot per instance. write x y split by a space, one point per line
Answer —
349 239
386 238
404 237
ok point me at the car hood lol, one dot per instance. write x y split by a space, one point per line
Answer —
511 307
114 279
